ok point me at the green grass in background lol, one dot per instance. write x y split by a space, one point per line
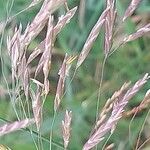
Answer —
130 62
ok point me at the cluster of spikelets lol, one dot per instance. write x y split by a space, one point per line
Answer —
18 44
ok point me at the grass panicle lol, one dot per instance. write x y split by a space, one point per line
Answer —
109 25
66 128
110 102
25 74
37 106
116 114
11 127
143 105
139 33
91 38
61 82
131 8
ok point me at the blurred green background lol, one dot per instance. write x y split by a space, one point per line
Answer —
128 63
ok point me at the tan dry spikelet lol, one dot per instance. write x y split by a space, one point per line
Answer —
24 75
38 23
17 45
34 2
62 22
110 147
143 105
117 110
48 7
110 102
45 60
35 27
14 40
17 125
63 72
137 86
38 50
109 25
66 5
14 46
2 26
38 83
91 38
66 128
139 33
131 8
37 107
4 147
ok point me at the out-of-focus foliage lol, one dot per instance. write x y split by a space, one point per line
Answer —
129 62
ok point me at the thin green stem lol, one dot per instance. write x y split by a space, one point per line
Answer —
51 130
100 86
69 83
99 90
103 148
139 135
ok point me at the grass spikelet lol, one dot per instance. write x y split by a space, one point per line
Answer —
37 107
48 54
34 2
109 103
24 75
63 20
143 105
110 147
37 82
11 127
4 147
40 19
117 110
139 33
61 82
13 46
91 38
131 8
109 25
31 78
137 86
66 128
45 60
34 54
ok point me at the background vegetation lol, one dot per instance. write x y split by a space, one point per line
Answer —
129 62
